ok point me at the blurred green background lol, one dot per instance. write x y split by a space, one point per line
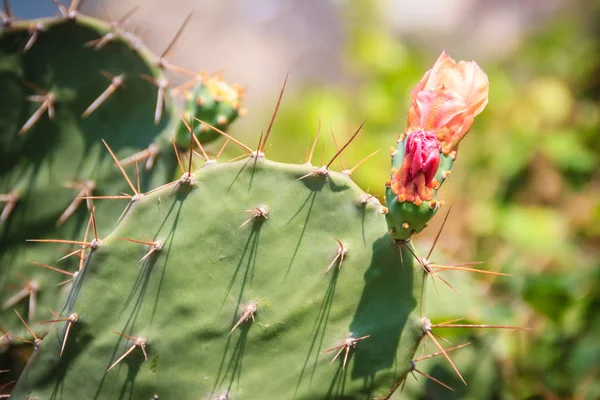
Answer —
525 189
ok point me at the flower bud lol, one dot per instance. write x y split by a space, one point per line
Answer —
414 181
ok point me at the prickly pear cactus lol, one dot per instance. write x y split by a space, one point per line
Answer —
260 280
67 83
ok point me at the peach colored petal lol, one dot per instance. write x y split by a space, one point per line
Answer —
465 78
437 109
447 99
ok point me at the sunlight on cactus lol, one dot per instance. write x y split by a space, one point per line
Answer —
249 279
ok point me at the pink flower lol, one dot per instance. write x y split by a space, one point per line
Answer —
447 100
414 181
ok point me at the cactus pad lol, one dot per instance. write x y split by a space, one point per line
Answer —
185 298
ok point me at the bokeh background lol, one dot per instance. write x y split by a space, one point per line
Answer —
525 190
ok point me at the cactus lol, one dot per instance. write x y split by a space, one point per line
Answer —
256 279
68 82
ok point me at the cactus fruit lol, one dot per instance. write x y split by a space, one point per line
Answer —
213 101
68 82
250 280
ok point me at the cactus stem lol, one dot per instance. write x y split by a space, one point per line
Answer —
115 83
248 313
37 340
349 343
339 152
137 342
340 254
10 199
120 166
34 32
258 212
48 99
240 144
51 267
263 143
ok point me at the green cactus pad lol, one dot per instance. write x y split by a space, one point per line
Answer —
216 257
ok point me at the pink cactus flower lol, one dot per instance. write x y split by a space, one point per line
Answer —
447 100
414 181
